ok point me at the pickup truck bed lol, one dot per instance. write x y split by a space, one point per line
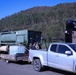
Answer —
38 54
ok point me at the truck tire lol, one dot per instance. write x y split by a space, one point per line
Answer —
37 65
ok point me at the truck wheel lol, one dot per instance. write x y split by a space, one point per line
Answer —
37 65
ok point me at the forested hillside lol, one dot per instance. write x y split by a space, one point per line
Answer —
50 21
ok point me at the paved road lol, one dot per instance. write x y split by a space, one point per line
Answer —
25 69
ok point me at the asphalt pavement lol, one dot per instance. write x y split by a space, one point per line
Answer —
24 68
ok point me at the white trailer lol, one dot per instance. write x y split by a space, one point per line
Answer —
14 53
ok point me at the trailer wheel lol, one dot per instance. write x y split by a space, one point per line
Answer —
37 65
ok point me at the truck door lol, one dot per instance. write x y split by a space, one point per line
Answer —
64 61
52 55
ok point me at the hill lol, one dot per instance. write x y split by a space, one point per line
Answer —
50 20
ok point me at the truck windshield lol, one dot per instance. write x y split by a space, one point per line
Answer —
73 46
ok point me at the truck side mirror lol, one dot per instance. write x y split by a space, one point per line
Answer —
68 52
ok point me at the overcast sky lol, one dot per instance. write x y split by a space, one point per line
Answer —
9 7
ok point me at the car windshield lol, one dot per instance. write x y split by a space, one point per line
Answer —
73 46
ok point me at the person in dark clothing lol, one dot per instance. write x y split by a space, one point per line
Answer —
39 46
33 46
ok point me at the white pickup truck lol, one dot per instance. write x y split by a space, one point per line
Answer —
58 55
